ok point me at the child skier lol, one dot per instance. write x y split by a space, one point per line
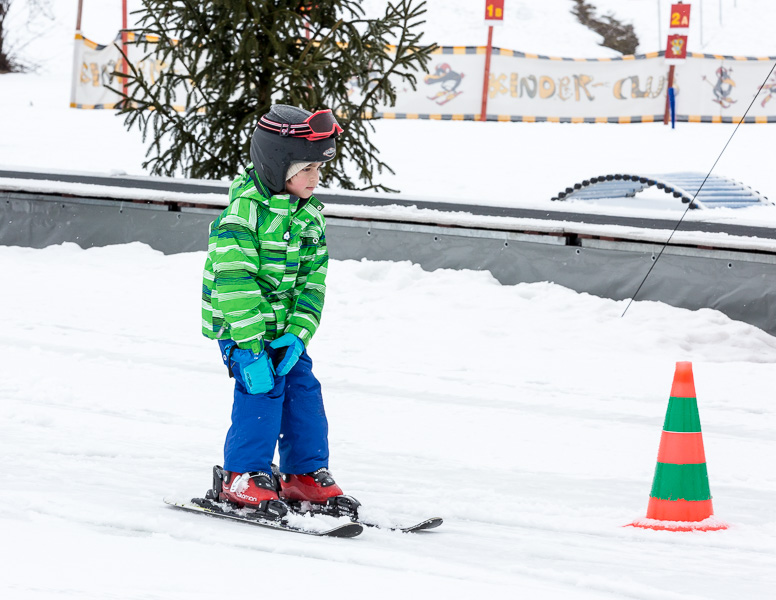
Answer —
263 291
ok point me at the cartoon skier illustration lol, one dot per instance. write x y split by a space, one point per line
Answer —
769 87
722 87
449 79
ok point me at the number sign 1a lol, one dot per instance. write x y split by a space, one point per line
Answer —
494 10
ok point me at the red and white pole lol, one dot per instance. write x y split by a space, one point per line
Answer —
494 13
486 79
76 56
124 66
80 12
667 114
676 48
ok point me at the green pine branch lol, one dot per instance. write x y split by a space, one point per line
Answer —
234 58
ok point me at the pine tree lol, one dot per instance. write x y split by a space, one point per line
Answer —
616 35
237 57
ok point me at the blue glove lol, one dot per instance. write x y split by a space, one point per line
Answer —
256 370
292 348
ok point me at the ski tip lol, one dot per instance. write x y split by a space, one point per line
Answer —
432 523
349 530
424 525
178 501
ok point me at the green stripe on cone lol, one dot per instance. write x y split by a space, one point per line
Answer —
681 482
682 415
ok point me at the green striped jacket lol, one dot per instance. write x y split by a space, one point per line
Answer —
265 272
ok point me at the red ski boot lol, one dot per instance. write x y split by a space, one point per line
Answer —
317 492
256 490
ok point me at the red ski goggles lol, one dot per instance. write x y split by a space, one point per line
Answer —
318 126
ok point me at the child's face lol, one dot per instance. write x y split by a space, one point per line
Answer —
303 183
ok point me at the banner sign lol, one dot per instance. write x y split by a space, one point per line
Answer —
525 87
522 87
94 65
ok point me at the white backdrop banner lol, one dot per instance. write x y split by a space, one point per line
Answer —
631 89
521 87
94 65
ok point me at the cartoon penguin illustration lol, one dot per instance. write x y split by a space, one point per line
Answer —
723 87
449 80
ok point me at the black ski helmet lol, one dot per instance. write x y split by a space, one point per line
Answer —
275 145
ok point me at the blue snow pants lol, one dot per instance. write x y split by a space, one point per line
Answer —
290 415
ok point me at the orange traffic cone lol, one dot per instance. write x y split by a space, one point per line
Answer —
680 499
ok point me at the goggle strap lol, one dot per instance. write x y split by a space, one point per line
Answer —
285 129
302 130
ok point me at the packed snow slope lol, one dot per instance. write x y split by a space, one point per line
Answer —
527 416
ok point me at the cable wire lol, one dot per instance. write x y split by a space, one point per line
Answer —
665 245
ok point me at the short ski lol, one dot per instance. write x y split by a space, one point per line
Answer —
218 509
422 526
349 507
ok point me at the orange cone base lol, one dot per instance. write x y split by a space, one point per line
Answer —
680 515
710 524
679 510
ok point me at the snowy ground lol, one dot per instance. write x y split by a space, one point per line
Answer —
527 416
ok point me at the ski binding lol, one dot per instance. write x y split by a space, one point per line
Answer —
247 515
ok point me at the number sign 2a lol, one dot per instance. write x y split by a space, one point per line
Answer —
494 10
680 16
